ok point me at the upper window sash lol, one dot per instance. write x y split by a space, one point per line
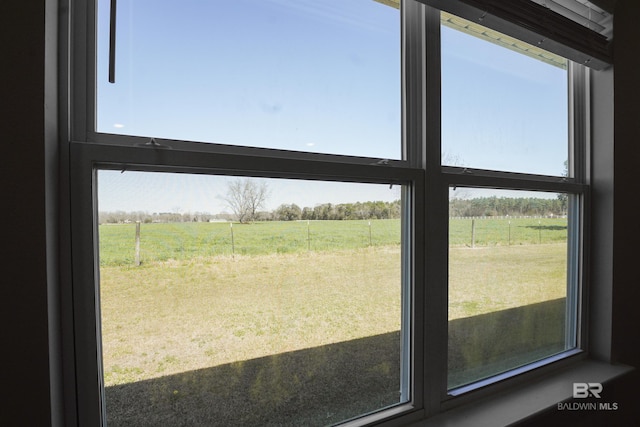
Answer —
91 45
576 116
576 179
535 24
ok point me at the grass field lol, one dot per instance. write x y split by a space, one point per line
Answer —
505 232
183 241
173 316
484 280
316 283
257 332
200 301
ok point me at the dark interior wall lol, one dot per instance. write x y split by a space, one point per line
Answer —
624 319
608 5
26 212
627 180
28 237
626 295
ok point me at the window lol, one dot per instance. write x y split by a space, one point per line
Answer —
292 315
508 281
513 269
503 108
277 197
253 265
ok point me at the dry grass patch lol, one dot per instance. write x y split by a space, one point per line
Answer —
176 316
302 338
484 280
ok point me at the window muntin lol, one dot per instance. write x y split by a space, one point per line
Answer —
509 280
282 320
503 108
310 76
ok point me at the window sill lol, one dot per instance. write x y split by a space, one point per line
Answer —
516 405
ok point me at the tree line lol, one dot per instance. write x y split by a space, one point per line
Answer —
478 207
120 217
284 212
342 211
508 206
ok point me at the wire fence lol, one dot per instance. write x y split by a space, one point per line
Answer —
506 231
135 243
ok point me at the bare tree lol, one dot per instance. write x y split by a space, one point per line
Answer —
245 196
451 159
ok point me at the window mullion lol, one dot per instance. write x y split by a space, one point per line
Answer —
578 121
82 70
579 160
435 220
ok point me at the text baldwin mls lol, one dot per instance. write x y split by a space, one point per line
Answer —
587 406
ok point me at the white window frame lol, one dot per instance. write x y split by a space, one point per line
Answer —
421 171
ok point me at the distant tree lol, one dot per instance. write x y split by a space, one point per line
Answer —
323 211
245 196
307 213
286 212
563 198
451 159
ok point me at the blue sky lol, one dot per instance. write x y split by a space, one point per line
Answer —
321 76
500 109
308 75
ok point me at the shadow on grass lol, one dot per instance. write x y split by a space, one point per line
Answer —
311 387
546 227
492 343
328 384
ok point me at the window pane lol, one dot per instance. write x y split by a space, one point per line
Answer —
318 76
292 316
508 281
504 103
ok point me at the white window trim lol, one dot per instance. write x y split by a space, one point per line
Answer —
430 399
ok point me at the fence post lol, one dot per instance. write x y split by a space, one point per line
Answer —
369 233
137 243
233 244
473 233
539 232
308 236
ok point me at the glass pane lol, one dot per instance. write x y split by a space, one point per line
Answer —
504 103
312 75
508 281
292 316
